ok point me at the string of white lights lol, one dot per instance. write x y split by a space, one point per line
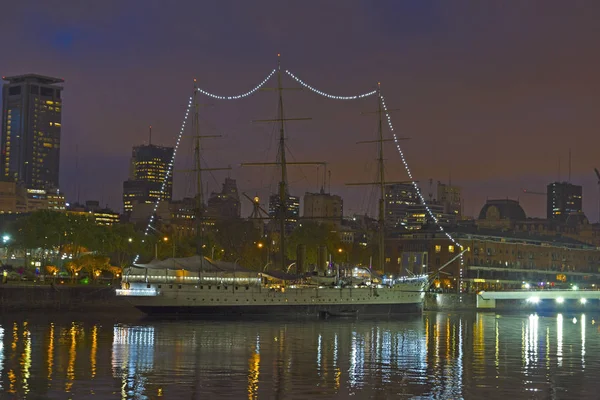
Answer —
410 175
169 171
431 214
239 96
179 136
306 85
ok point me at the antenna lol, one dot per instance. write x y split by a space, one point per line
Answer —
558 169
569 166
150 136
431 189
77 172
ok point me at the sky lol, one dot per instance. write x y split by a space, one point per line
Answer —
491 94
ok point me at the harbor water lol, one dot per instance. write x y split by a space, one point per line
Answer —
434 355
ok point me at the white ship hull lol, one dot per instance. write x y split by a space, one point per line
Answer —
253 300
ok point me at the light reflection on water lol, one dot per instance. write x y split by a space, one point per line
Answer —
434 356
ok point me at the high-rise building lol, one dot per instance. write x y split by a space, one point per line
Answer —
292 207
450 198
323 207
398 198
149 165
31 126
225 204
563 199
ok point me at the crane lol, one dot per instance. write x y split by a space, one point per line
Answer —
532 192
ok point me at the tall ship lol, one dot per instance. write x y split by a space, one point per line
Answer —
202 286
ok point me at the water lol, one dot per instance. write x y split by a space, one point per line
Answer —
437 355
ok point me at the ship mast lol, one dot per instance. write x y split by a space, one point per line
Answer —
381 182
281 162
198 170
283 186
381 219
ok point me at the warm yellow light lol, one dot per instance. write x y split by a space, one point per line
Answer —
166 239
339 250
260 245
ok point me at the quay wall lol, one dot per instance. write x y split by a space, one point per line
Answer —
16 298
450 302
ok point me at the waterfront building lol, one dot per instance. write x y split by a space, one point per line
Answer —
31 130
505 249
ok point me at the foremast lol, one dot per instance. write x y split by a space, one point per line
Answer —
199 217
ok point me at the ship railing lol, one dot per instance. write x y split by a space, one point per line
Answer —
204 279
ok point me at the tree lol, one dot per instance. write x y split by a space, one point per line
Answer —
52 269
115 271
74 266
237 237
312 234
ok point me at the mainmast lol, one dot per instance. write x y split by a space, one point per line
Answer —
283 188
281 162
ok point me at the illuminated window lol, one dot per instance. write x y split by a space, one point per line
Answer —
451 249
438 248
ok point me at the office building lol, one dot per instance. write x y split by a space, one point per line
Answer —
31 127
398 198
102 216
292 207
563 199
149 165
449 197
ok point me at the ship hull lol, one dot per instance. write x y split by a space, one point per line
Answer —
267 311
239 301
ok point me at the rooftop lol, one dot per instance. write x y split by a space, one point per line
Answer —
48 80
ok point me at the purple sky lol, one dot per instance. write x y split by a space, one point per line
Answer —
491 93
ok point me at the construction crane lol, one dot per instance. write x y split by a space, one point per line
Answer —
532 192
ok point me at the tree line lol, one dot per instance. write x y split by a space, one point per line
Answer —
74 242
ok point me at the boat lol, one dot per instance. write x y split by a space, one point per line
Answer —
201 286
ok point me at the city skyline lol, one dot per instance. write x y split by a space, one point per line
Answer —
467 82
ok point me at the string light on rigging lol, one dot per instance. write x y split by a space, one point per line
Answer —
239 96
330 96
431 214
177 143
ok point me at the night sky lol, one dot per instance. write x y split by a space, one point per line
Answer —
492 94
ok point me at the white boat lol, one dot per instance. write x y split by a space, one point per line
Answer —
198 286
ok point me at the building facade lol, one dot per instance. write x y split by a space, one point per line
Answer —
292 207
31 128
450 198
148 168
563 200
226 204
324 207
398 198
